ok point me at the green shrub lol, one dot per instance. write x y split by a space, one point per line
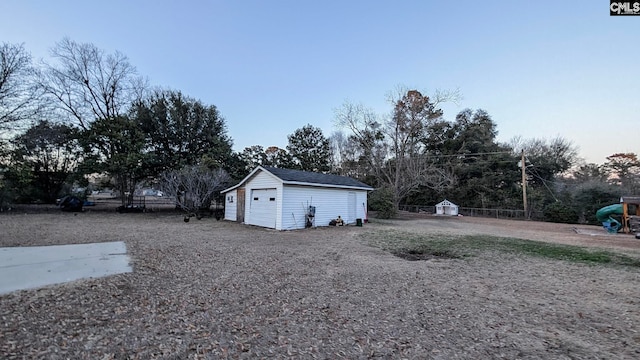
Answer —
381 201
591 196
560 213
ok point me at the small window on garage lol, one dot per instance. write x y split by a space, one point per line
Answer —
231 198
255 199
272 199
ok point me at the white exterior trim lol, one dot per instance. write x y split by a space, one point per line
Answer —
326 185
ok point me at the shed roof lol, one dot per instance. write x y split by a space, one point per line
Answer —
299 177
289 175
635 199
446 202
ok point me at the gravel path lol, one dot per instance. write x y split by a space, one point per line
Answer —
208 289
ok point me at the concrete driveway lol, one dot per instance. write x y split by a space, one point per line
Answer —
37 266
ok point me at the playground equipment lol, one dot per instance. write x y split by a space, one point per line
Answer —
629 223
608 222
630 214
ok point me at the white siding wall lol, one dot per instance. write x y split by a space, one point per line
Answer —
329 204
229 206
263 180
361 204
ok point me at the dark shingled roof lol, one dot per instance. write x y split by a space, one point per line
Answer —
288 175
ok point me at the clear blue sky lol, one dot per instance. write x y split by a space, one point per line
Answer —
540 68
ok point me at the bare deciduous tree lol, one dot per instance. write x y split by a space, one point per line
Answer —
89 84
96 89
367 133
19 100
625 168
393 149
339 154
194 186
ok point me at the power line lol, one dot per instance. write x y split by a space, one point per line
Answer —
544 182
467 154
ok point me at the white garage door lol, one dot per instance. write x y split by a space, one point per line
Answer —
262 211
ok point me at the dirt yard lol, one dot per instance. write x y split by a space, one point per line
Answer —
570 234
209 289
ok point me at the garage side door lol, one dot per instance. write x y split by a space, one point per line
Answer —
263 207
351 208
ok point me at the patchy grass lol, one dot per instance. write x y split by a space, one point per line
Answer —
451 246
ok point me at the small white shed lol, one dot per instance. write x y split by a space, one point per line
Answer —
446 207
281 198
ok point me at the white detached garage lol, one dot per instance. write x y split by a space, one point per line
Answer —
280 198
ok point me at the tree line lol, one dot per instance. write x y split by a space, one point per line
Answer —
414 156
87 118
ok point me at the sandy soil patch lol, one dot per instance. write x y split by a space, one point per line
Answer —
571 234
208 289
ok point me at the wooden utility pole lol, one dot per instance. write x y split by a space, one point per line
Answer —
524 185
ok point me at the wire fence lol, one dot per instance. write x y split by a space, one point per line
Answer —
515 214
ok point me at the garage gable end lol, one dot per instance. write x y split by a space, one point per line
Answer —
263 193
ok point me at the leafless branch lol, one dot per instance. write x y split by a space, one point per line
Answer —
19 97
193 187
89 84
